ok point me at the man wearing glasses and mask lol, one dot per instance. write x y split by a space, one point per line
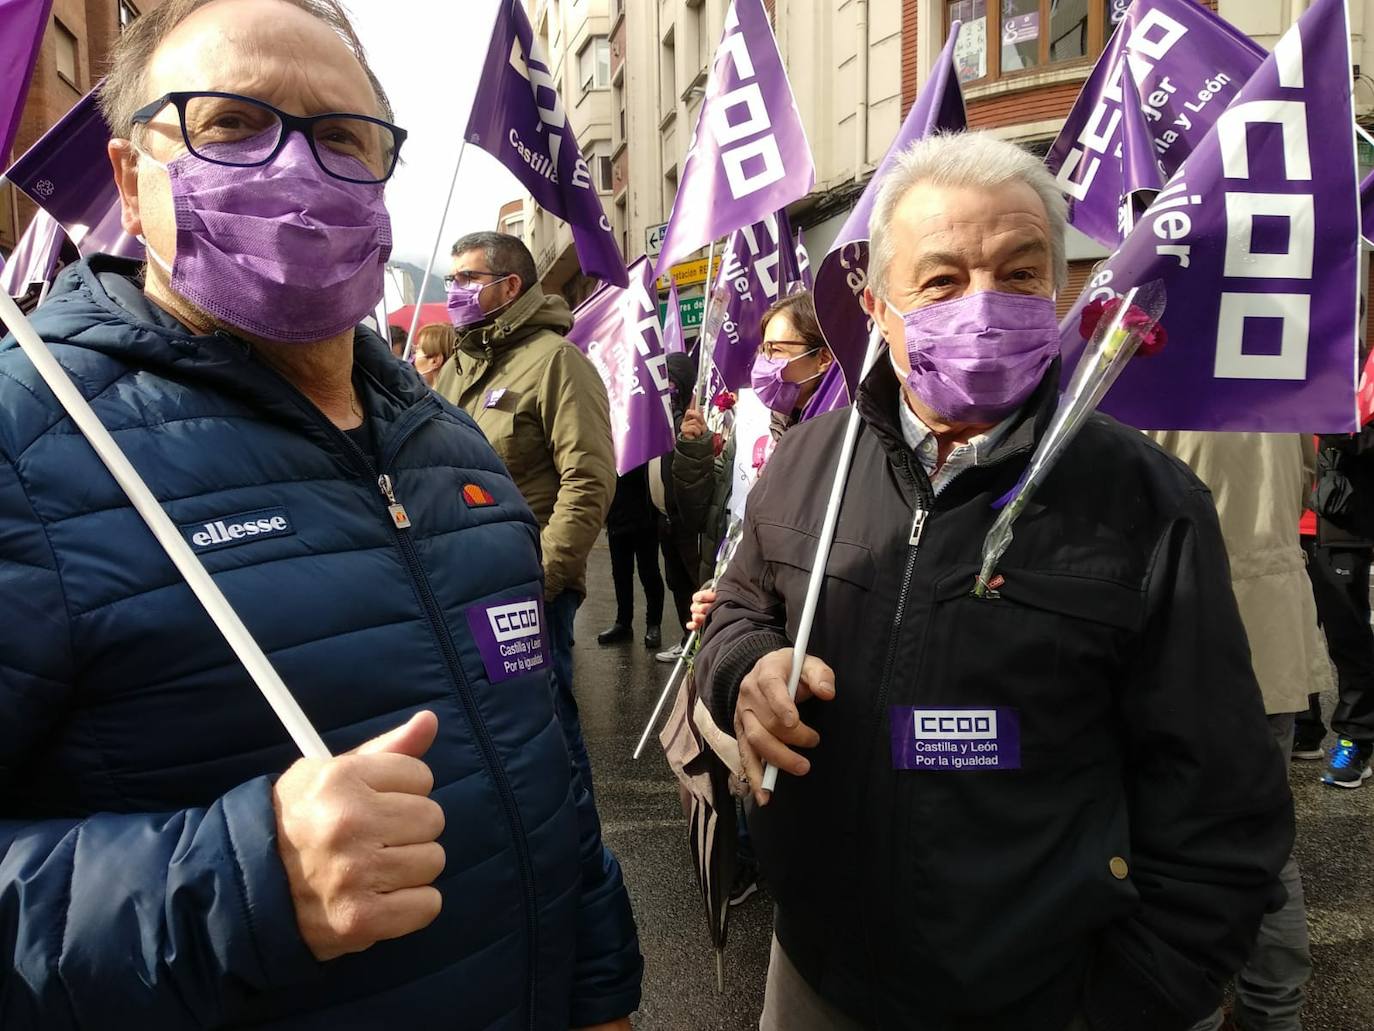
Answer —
542 404
165 859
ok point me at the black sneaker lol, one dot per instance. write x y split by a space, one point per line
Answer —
653 638
746 881
1308 746
1349 764
615 634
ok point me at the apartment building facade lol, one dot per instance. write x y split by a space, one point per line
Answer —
73 58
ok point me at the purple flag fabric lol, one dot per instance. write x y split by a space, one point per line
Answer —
832 394
808 279
843 273
1141 177
618 330
748 156
22 23
673 340
1256 239
1188 65
517 117
68 174
789 268
35 257
750 279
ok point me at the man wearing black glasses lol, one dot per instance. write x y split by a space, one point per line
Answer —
164 863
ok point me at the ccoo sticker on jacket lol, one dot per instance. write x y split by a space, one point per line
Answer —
955 740
510 637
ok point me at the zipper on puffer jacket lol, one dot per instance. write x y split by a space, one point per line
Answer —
396 515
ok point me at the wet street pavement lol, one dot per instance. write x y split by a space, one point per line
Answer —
643 825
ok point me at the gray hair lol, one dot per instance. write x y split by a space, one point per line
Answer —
505 254
125 88
962 159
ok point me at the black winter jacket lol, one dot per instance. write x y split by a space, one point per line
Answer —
1124 866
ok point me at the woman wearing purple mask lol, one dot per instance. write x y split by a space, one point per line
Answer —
792 359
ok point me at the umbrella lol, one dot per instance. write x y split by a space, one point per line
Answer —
429 315
706 762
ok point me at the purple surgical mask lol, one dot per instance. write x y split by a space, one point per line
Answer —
777 394
282 251
464 308
976 359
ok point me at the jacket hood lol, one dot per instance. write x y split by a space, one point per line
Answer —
532 311
98 304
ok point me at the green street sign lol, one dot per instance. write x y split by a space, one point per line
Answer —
692 310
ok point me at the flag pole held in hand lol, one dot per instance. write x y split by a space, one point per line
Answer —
205 589
822 559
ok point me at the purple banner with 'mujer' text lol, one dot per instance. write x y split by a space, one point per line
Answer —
1256 239
618 330
755 270
1187 64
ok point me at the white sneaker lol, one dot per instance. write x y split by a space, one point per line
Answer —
670 654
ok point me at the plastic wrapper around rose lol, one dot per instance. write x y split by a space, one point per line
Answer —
728 546
1124 326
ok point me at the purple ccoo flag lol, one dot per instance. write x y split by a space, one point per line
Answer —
673 340
804 264
1256 239
790 279
68 174
1188 65
1141 177
843 273
750 279
22 23
618 330
518 118
748 156
35 257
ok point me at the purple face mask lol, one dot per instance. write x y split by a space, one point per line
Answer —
976 359
776 393
282 251
463 307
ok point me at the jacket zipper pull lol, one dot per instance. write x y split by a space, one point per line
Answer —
395 508
918 526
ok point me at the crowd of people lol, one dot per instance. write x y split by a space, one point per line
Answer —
1063 805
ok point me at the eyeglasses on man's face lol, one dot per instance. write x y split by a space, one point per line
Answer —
468 277
230 129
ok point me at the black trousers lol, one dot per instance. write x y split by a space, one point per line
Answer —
680 562
1340 585
637 547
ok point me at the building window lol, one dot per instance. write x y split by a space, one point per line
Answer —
127 13
600 163
515 226
669 190
1001 38
66 55
620 115
667 75
594 64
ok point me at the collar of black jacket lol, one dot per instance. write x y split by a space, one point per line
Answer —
880 394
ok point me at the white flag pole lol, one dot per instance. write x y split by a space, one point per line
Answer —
822 559
667 690
434 253
207 592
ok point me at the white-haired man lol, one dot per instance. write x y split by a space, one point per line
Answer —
1059 806
164 863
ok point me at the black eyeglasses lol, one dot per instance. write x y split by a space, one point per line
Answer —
464 278
229 129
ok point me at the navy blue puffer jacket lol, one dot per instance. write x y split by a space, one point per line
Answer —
140 884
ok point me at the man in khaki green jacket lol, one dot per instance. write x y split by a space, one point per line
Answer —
541 403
